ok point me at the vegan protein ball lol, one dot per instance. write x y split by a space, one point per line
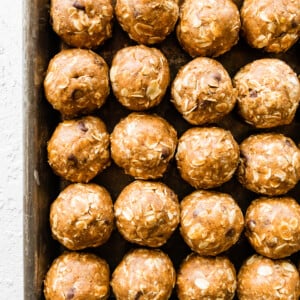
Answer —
144 274
208 27
143 144
207 157
147 213
79 149
76 82
139 76
273 26
210 278
82 216
82 23
269 164
272 226
210 222
202 91
147 21
264 278
268 93
77 276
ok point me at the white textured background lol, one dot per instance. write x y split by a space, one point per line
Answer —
11 160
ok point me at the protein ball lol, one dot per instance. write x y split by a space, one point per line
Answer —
207 278
147 21
147 213
211 222
82 23
79 149
76 82
264 278
272 226
269 164
208 27
139 76
207 157
143 145
202 91
82 216
268 93
144 274
77 276
273 26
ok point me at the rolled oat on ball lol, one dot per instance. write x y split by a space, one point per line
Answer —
207 157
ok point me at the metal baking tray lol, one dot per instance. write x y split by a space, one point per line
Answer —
42 186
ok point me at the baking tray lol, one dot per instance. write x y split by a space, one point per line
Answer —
41 186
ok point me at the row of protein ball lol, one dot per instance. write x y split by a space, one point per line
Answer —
204 28
266 91
147 213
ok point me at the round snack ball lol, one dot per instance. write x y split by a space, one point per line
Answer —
208 27
82 23
77 276
82 216
268 93
147 213
147 21
79 149
273 226
139 76
76 82
206 278
273 26
207 157
144 274
269 164
143 145
202 91
264 278
211 222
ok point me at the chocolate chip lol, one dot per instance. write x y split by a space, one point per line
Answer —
79 6
195 213
294 24
230 233
253 93
217 76
76 94
138 295
70 293
73 159
288 143
82 127
165 152
271 244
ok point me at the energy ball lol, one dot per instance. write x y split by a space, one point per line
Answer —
82 23
139 76
143 145
207 157
273 226
144 274
82 216
273 26
147 213
208 27
207 278
77 276
264 278
268 93
76 82
79 149
202 91
147 21
211 222
269 164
